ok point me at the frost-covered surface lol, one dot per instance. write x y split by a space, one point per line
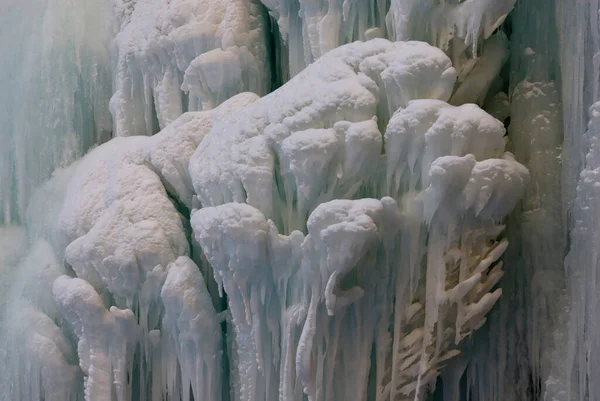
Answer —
364 273
354 218
398 197
175 56
117 229
173 147
311 125
193 333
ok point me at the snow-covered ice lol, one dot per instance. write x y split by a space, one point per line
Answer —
285 213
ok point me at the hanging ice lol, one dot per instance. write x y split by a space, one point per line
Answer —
352 221
309 29
290 166
175 56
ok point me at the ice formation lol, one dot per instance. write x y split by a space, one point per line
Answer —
302 200
175 56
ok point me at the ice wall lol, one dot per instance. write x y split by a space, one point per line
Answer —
56 85
580 86
311 28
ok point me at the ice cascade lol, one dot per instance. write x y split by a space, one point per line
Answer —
299 200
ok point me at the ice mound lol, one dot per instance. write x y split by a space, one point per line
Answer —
118 225
295 143
428 129
172 148
125 239
175 56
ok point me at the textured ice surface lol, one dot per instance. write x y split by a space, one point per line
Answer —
175 56
302 304
118 226
105 338
306 127
119 232
171 149
352 219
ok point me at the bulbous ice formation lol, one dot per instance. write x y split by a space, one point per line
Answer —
355 279
289 147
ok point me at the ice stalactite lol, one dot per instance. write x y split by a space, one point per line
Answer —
234 240
311 28
192 332
346 266
105 339
178 56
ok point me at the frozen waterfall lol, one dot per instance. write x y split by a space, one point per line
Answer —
299 200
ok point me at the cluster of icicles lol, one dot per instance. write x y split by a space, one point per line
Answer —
352 218
336 239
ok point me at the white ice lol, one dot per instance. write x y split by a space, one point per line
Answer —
352 219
